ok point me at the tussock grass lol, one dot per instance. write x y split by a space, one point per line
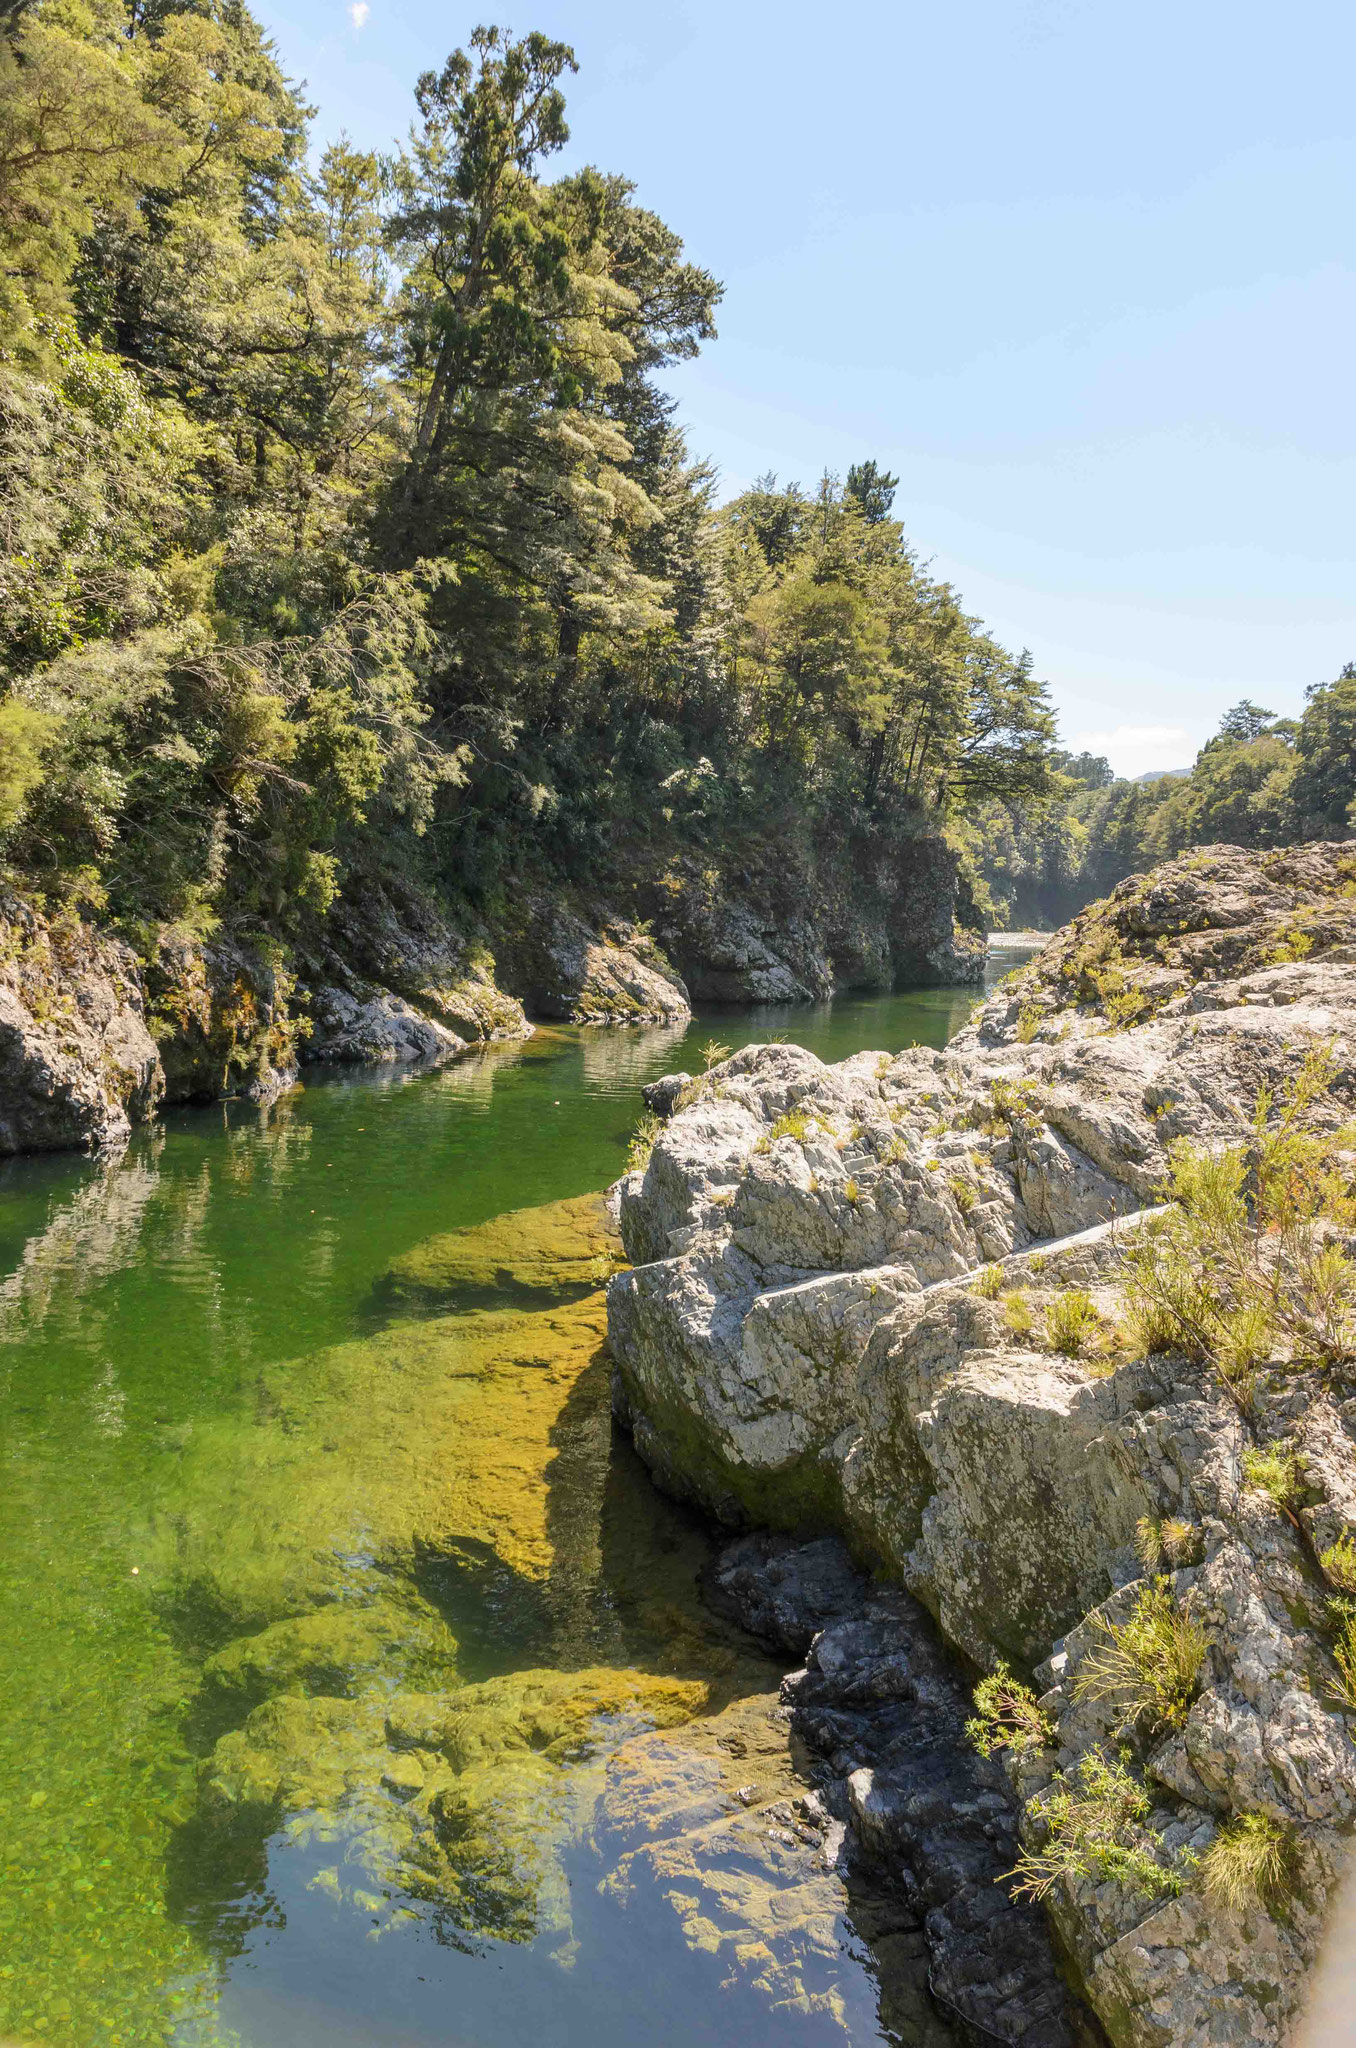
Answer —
1149 1666
1252 1861
1071 1322
642 1142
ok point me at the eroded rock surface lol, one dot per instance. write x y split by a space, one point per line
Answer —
604 970
801 1343
77 1064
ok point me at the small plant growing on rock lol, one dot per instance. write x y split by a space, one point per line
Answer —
988 1283
713 1052
1252 1861
851 1192
1071 1321
1012 1105
1017 1314
1029 1021
1094 1828
963 1193
1007 1715
1279 1474
795 1123
1339 1563
1169 1542
1148 1666
1246 1265
1342 1619
642 1142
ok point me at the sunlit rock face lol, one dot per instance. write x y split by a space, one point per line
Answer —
801 1343
77 1064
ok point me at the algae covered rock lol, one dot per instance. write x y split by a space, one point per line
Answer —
77 1065
220 1011
556 1250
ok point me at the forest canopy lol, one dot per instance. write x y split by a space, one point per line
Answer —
345 519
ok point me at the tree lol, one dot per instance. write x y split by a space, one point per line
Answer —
873 489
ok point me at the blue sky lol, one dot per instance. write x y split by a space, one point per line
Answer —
1081 274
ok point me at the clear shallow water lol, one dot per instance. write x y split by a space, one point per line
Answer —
218 1414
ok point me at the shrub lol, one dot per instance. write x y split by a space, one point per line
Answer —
642 1142
1029 1021
713 1052
1150 1665
1339 1563
1251 1860
1070 1320
988 1282
1017 1314
1094 1824
1007 1715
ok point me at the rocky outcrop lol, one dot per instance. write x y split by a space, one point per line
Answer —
803 1342
780 931
397 979
220 1013
600 970
77 1065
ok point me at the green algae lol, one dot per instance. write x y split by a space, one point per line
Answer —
559 1249
239 1472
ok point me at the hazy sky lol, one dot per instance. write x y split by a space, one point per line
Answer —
1081 273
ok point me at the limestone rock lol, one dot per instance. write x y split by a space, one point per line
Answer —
369 1025
603 970
77 1065
801 1344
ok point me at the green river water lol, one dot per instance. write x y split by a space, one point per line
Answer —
254 1448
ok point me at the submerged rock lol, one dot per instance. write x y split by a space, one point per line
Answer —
558 1249
77 1064
801 1342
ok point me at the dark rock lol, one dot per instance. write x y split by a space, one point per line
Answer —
881 1707
661 1097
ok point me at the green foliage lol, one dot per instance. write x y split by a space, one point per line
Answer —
1261 782
1094 1826
1007 1715
1252 1861
1246 1266
642 1143
1071 1321
1339 1563
342 508
988 1283
1279 1474
1149 1666
1017 1314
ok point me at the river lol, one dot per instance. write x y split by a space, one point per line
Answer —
296 1433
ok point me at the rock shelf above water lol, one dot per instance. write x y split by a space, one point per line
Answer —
801 1343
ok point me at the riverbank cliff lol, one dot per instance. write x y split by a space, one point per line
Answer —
99 1028
1055 1329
